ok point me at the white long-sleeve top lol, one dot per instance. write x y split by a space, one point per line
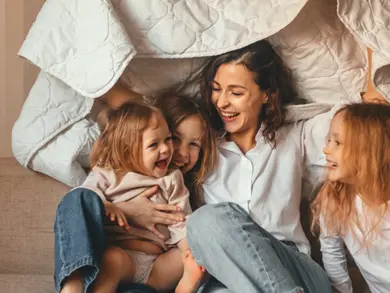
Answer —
373 261
267 181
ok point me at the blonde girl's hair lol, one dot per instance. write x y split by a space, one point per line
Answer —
119 146
176 108
366 155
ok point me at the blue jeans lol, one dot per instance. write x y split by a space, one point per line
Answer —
243 257
80 239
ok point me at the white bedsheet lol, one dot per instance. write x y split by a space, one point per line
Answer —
84 47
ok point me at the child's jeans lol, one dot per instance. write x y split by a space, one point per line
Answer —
80 238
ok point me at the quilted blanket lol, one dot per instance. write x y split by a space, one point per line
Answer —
84 47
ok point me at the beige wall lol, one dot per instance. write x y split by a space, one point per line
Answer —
16 75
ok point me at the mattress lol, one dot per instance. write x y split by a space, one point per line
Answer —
84 47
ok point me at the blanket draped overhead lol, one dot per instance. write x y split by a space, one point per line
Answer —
84 47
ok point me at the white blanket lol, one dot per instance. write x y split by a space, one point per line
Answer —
84 47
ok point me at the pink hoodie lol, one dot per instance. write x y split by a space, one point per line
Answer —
172 191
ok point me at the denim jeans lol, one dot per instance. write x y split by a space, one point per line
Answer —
80 239
244 257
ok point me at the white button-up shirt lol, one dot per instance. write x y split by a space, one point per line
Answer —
373 261
266 181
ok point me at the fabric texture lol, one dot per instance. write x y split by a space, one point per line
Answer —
143 265
26 232
373 261
267 181
28 203
152 46
171 190
80 239
263 264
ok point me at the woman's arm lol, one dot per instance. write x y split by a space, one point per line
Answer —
119 95
335 263
144 213
312 137
371 95
114 98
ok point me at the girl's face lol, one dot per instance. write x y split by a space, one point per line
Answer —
187 143
334 151
156 147
237 98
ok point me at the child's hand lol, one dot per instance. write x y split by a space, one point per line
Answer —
116 215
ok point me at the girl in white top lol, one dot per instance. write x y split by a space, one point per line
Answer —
352 208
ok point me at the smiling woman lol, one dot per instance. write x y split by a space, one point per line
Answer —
242 82
249 235
238 100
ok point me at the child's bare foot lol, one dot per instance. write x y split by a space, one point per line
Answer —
192 276
73 284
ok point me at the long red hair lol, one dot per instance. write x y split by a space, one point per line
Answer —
366 154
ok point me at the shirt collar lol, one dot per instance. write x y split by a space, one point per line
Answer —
230 145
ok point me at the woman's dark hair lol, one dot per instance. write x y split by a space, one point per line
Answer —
271 75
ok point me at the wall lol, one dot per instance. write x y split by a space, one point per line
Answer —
16 74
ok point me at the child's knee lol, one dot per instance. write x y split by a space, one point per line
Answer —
115 257
118 262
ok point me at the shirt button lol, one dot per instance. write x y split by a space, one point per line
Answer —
245 184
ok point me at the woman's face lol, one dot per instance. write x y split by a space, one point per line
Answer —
237 98
187 143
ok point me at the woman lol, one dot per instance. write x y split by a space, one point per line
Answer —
249 235
253 243
250 94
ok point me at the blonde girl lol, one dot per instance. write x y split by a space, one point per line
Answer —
132 154
352 207
193 140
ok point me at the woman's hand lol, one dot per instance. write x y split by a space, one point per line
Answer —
115 214
142 212
371 95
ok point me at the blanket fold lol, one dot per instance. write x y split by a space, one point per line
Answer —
84 47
